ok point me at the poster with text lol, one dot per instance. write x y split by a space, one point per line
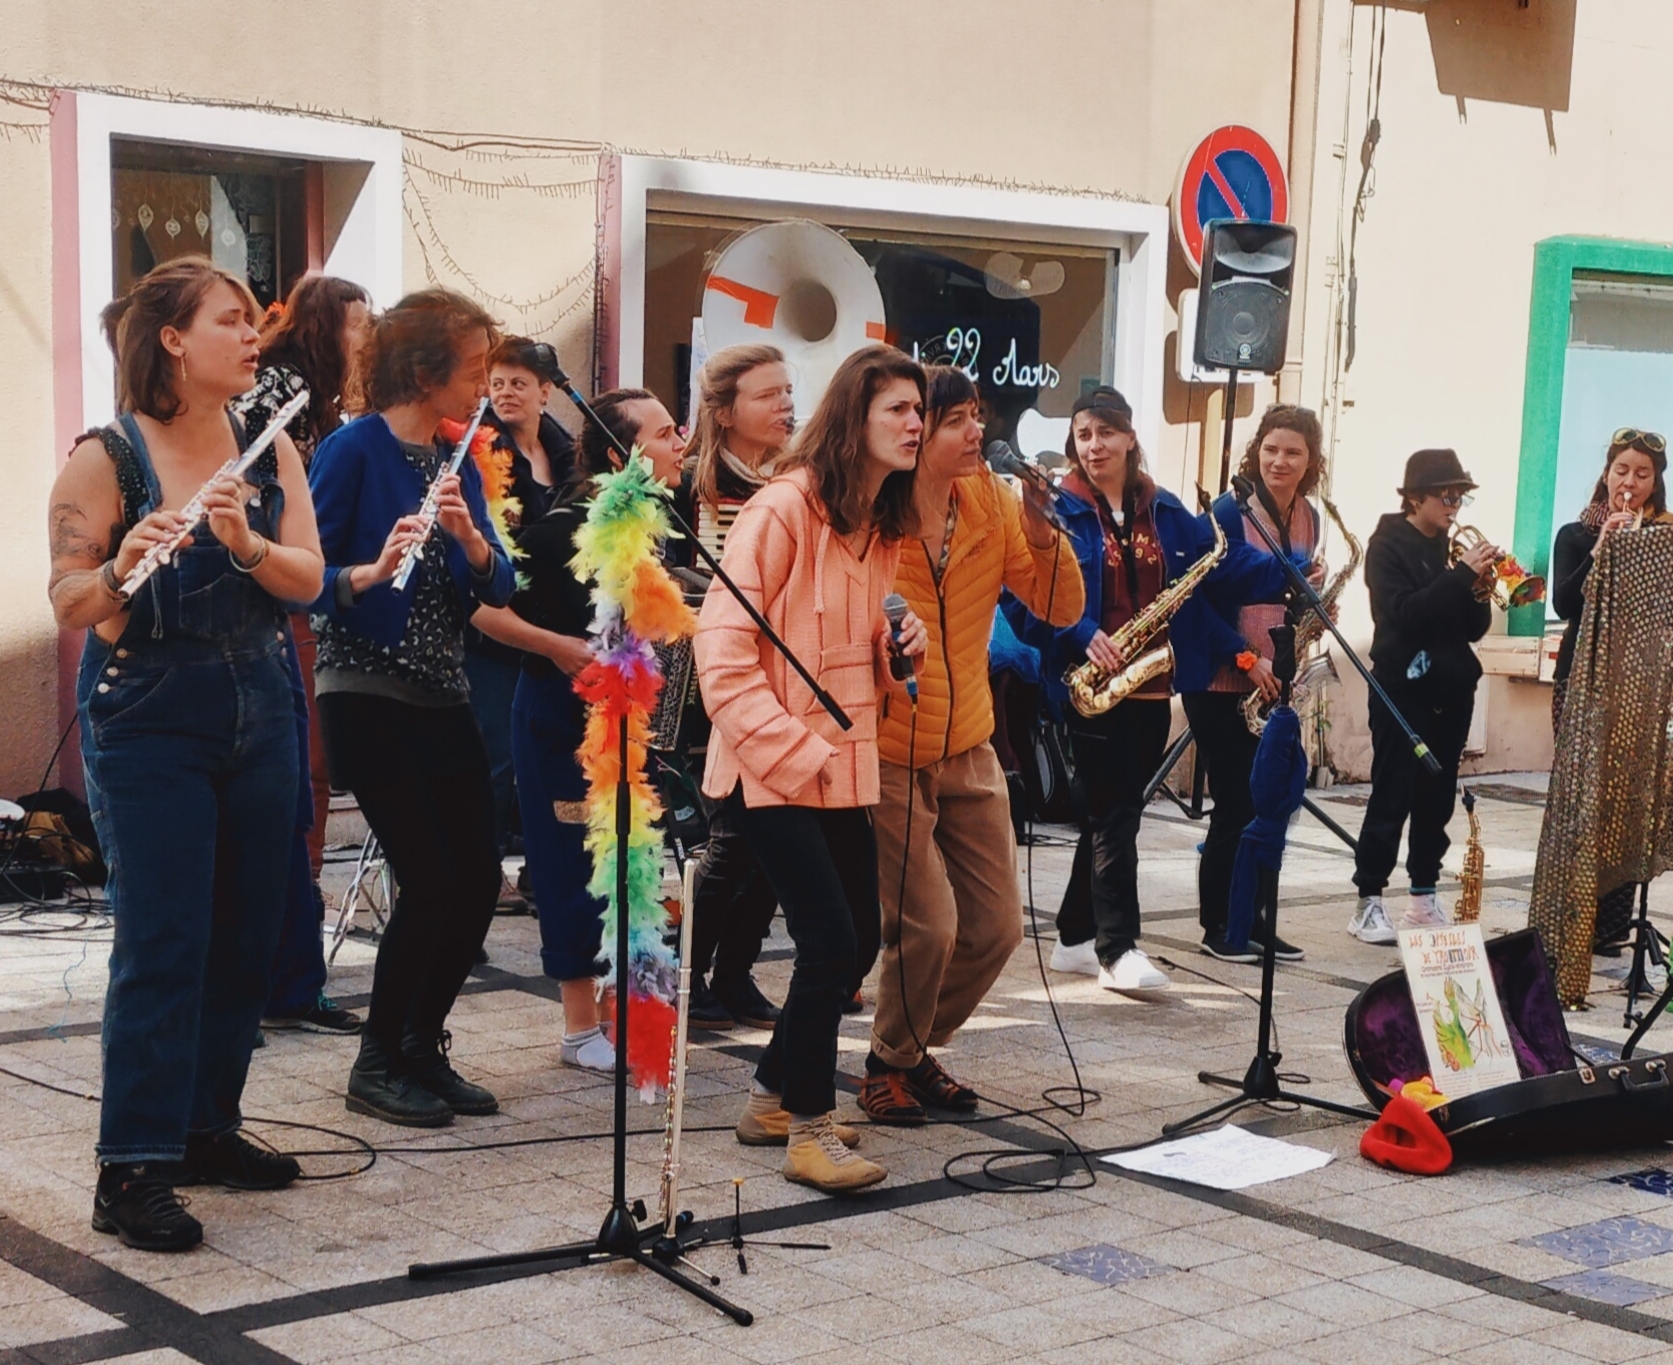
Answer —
1458 1010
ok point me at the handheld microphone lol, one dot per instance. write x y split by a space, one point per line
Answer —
1003 460
900 667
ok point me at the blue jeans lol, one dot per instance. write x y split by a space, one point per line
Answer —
191 761
547 721
493 683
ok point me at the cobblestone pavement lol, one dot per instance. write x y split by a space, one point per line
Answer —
1523 1262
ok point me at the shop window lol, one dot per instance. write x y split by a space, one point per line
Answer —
247 212
1618 373
1030 321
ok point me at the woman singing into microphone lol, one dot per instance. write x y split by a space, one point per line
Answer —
1632 490
952 909
815 552
188 739
392 692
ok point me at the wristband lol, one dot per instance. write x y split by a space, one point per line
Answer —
108 581
1246 660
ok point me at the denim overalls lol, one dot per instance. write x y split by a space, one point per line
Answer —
189 746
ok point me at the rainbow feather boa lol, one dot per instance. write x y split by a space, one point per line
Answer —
635 604
493 463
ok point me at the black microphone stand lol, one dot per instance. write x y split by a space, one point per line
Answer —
620 1237
1261 1084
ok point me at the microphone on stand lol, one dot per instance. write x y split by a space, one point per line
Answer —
1003 460
900 667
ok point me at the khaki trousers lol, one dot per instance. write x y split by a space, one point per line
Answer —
961 920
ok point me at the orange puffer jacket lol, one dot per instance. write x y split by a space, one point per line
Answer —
989 552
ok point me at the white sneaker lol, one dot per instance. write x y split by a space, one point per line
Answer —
1370 922
590 1051
1080 958
1425 912
1132 972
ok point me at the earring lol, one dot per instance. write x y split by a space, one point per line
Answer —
182 370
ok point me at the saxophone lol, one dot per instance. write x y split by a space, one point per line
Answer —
1094 689
1316 668
1468 909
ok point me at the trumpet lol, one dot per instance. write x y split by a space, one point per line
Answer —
432 497
191 515
1504 583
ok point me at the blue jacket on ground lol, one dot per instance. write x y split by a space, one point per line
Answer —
362 484
1202 637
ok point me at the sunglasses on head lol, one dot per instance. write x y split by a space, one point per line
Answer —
1653 442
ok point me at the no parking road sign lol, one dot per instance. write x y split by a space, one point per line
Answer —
1233 173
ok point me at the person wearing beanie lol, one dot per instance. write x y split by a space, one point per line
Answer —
1426 617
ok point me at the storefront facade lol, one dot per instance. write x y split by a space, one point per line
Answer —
1003 178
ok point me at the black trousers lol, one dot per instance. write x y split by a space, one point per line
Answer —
1226 750
822 865
732 903
421 777
1402 787
1116 755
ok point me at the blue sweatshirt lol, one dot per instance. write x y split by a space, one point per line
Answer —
362 483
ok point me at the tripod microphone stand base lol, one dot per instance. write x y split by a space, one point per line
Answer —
619 1239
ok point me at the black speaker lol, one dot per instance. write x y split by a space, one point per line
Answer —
1243 311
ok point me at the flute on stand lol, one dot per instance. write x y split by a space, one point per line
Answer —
675 1114
432 497
192 513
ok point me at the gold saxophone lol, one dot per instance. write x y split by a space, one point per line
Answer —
1468 909
1315 668
1094 689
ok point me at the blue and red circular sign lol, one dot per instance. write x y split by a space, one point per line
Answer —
1233 173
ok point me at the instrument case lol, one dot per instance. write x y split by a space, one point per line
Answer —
1560 1104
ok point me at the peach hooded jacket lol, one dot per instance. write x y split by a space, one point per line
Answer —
769 732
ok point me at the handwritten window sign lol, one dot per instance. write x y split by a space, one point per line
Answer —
962 349
1458 1010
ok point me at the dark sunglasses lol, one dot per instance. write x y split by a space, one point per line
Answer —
1651 442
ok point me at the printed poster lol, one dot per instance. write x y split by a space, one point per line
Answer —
1458 1010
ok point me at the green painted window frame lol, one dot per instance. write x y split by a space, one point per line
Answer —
1556 261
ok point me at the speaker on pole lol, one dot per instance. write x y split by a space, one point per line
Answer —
1243 312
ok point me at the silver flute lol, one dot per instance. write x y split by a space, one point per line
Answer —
674 1114
192 513
432 496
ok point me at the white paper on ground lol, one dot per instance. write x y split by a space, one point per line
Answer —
1228 1158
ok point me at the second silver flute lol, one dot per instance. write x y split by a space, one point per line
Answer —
191 515
432 496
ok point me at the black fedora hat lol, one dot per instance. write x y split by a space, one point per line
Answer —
1428 470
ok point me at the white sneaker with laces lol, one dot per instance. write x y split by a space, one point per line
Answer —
1370 922
1424 911
1132 973
1079 958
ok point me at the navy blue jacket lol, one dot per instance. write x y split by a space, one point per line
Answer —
1201 635
362 483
